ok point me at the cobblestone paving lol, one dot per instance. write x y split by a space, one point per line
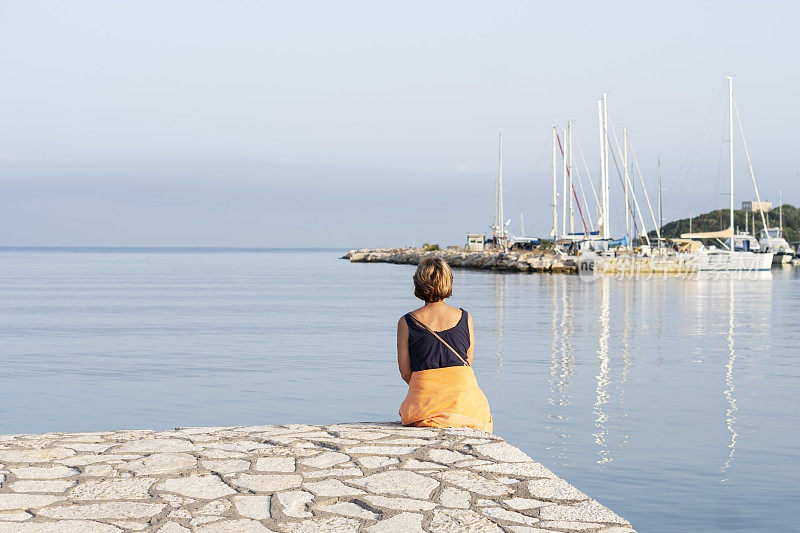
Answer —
298 478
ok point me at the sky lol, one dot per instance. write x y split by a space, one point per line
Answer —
364 124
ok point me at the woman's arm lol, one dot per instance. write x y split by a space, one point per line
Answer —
471 350
403 358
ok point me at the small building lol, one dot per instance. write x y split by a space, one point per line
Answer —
757 207
475 242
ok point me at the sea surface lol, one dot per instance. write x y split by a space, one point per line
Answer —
675 402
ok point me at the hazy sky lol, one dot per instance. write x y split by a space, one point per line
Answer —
369 123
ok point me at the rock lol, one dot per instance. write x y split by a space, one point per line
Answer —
413 464
226 466
326 460
349 509
400 482
87 447
456 520
377 461
502 451
67 526
113 489
562 525
447 456
382 450
233 526
215 508
338 472
509 516
405 522
554 489
106 510
451 497
400 504
251 506
331 487
131 525
335 524
98 471
294 503
43 472
21 502
162 463
275 464
475 483
35 456
83 460
15 516
156 446
202 486
268 482
529 469
525 503
50 485
587 511
173 527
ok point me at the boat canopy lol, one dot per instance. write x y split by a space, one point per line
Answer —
686 245
724 234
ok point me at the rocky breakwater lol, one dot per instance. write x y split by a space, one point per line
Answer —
524 261
296 478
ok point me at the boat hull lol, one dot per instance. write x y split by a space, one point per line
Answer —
703 264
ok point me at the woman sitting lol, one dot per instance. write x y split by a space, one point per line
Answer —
435 345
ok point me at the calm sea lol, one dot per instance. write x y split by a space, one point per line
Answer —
674 402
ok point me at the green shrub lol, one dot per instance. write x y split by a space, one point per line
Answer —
428 247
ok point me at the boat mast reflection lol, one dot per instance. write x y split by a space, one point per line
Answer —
730 413
601 390
562 361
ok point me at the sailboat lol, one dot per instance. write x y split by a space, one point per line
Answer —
771 239
730 260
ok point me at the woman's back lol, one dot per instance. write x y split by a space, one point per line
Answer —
425 350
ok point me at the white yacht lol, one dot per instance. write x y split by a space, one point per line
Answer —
771 240
743 242
732 259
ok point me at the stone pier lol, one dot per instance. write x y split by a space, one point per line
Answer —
296 478
537 261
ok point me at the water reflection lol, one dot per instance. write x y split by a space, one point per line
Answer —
730 413
561 364
499 304
602 379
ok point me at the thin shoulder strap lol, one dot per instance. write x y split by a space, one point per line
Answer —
419 322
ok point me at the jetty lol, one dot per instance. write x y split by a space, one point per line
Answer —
536 261
373 477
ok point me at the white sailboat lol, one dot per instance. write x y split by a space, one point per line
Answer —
730 260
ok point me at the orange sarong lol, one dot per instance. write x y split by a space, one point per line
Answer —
446 397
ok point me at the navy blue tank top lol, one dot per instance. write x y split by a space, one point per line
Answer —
428 352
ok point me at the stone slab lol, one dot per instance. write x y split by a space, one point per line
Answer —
378 477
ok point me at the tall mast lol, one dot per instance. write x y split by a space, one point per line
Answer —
564 183
606 204
625 164
660 213
780 209
500 218
603 229
571 187
730 151
554 232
